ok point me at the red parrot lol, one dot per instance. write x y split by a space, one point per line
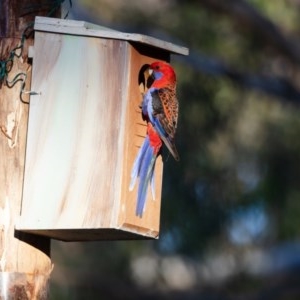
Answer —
160 110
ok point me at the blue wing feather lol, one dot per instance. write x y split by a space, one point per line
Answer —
148 110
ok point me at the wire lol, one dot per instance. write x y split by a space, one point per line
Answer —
7 64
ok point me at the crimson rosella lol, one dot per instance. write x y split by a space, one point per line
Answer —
160 110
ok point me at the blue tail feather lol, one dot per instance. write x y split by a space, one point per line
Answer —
144 169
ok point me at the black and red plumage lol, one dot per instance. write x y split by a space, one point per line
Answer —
160 110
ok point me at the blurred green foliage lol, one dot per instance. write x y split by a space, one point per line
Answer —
239 147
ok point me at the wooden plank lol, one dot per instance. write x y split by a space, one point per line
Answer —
74 141
88 29
148 225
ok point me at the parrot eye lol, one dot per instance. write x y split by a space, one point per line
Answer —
156 67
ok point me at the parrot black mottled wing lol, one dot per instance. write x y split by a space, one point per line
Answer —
165 113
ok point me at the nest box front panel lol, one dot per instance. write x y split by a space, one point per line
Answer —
135 134
75 132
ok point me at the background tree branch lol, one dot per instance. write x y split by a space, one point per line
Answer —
242 13
275 86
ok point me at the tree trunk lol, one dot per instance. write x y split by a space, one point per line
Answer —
25 263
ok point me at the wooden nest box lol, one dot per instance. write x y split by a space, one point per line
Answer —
84 132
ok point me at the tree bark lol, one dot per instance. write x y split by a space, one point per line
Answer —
25 263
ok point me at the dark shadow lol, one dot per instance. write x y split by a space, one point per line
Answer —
39 242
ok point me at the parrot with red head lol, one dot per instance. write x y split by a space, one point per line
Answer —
160 110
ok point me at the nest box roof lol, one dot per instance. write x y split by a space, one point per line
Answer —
88 29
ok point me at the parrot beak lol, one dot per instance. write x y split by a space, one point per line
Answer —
146 78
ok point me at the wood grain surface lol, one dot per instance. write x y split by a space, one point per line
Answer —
84 131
